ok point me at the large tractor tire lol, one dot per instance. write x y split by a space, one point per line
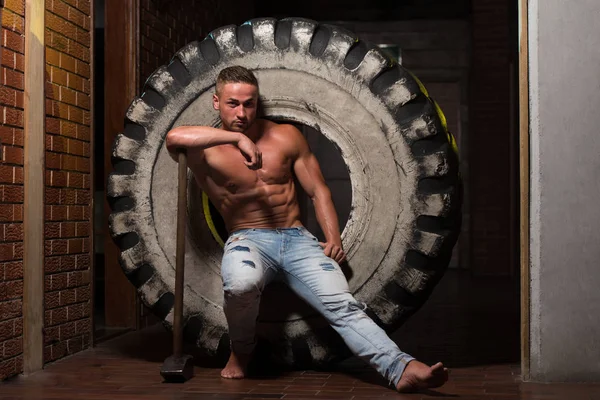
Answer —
401 159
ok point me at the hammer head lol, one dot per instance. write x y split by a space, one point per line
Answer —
177 369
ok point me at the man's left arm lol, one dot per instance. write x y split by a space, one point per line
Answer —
308 172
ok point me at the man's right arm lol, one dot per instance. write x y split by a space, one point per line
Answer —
198 138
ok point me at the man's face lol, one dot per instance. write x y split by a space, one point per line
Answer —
237 104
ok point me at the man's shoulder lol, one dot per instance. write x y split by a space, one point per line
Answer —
280 130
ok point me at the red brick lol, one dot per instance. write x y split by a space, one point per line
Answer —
18 326
75 278
75 147
52 299
68 129
14 78
13 347
10 309
83 165
52 230
6 212
8 58
7 252
67 229
68 96
83 294
51 335
77 17
13 232
79 50
6 134
13 155
13 194
52 265
58 178
58 316
67 297
75 246
83 101
75 311
18 177
60 25
18 136
7 329
19 62
76 180
20 99
67 331
83 261
19 251
59 213
7 174
58 281
52 57
83 37
8 96
82 229
13 41
67 62
83 69
76 114
59 247
68 263
84 6
83 133
83 326
68 163
59 143
13 270
14 117
52 160
59 76
59 350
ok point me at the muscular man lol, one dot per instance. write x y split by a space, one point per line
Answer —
246 167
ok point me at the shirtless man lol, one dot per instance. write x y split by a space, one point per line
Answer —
246 168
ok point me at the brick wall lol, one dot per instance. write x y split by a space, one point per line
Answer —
68 171
490 138
11 188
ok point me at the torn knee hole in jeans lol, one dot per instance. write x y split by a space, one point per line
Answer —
250 263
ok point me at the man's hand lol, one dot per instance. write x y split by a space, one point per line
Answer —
251 152
334 251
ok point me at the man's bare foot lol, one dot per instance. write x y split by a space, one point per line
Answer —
419 376
236 366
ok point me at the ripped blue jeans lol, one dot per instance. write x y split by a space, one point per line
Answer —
253 257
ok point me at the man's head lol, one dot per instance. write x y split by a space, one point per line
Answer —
236 98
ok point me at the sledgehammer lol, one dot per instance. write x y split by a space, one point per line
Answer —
179 367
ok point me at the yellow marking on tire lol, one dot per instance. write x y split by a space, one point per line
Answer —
209 220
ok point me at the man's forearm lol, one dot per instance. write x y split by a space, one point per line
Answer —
327 216
199 137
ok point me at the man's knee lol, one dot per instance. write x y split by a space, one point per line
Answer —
247 286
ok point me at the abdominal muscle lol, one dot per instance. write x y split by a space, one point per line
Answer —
263 205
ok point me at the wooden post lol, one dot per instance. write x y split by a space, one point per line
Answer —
33 219
524 162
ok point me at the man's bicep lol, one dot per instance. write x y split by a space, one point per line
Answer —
309 173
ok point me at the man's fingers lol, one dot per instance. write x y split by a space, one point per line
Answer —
334 252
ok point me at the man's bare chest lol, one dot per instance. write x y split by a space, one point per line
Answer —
226 168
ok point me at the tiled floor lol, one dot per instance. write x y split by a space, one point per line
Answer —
470 324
